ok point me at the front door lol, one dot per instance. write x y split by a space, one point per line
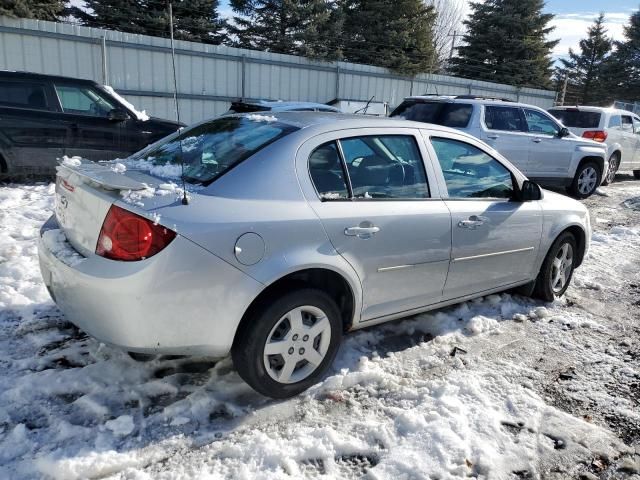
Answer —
93 135
495 240
549 155
381 213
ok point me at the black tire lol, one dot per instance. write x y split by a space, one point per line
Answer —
614 164
248 350
574 189
544 289
636 174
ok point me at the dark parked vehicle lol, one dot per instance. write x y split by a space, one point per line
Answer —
44 117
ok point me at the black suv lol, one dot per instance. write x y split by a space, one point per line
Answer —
44 117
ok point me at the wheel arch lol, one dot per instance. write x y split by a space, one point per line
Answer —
581 241
325 279
591 158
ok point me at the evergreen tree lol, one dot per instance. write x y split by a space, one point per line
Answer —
38 9
624 68
586 70
394 34
194 20
321 33
506 42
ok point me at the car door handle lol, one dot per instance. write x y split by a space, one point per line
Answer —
361 232
493 137
537 140
473 222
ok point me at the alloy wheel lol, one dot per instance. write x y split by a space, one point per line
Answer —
613 168
561 268
297 344
587 180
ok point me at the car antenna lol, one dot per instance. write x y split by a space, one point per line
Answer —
185 198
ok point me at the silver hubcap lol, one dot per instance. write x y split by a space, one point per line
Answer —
613 168
587 180
297 344
561 268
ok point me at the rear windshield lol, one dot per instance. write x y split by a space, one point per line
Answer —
211 149
454 115
577 118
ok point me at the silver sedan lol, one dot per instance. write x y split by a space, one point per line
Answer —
297 228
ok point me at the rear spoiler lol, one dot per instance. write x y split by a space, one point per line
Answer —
100 174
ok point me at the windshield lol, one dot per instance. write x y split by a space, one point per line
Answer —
454 115
211 149
577 118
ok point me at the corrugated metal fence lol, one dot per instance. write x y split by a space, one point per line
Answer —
209 77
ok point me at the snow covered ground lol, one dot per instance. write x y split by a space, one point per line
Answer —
502 387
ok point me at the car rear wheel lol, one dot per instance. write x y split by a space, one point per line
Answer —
586 181
614 164
288 345
557 269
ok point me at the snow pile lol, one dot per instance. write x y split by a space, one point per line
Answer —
140 115
167 170
119 167
71 161
261 118
57 244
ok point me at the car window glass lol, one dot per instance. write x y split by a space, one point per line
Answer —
577 118
627 123
389 167
23 95
636 125
427 112
456 115
539 123
326 172
504 118
83 101
615 121
471 173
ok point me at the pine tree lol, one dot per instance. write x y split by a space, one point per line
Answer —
506 42
38 9
624 67
194 20
320 34
585 70
270 25
394 34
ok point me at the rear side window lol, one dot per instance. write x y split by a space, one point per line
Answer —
454 115
372 167
615 121
471 173
508 119
577 118
23 95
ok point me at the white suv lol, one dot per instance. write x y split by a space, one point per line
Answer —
540 146
620 130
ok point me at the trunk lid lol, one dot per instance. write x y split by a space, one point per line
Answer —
86 190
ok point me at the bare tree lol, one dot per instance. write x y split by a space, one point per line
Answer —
448 28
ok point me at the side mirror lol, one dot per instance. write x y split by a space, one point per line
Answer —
564 132
530 192
117 115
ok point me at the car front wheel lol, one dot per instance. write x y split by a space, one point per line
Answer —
287 345
557 269
586 181
614 164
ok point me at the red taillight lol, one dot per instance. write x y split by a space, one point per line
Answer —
597 135
129 237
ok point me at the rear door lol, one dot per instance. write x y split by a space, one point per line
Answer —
504 128
32 137
380 208
86 110
495 240
549 155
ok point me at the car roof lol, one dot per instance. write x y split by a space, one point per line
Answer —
277 105
588 108
42 77
467 99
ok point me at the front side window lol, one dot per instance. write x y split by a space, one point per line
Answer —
23 95
83 101
507 119
378 167
471 173
636 125
211 149
539 123
627 123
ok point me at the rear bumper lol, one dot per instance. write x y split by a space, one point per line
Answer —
184 300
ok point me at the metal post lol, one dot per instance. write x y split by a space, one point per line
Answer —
453 44
105 72
173 60
244 76
337 82
411 88
564 90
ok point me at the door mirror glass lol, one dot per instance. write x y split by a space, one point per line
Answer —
564 132
117 115
530 191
